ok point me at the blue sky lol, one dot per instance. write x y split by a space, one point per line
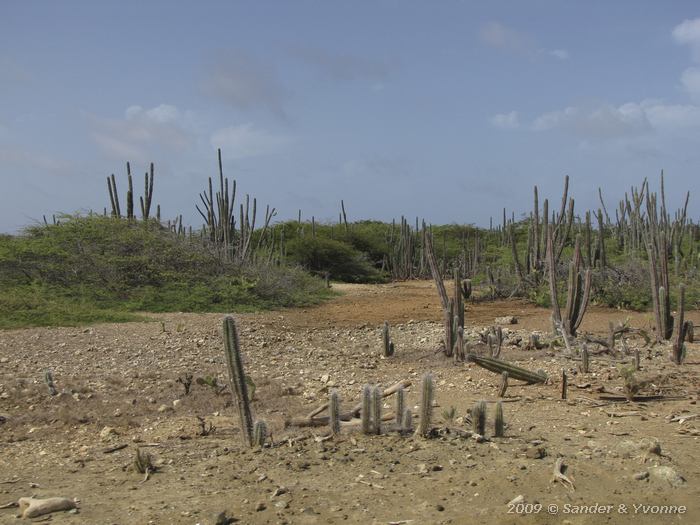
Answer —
445 110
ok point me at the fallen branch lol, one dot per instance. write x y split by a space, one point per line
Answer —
115 448
13 480
681 419
643 398
558 475
33 507
514 372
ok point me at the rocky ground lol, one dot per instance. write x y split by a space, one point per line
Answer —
118 391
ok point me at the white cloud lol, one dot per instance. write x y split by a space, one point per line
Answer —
561 54
499 36
243 141
688 33
628 120
690 79
142 132
505 120
163 113
241 82
495 34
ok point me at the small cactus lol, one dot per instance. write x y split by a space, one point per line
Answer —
407 421
426 405
334 412
377 410
584 359
498 423
459 344
564 384
386 340
365 411
400 405
143 462
260 433
504 385
48 379
495 341
479 418
689 331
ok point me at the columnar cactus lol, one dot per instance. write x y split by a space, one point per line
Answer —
400 405
498 423
426 405
407 421
584 359
237 378
459 344
334 412
366 410
678 353
495 341
48 379
564 384
386 340
479 418
578 293
377 410
260 433
504 385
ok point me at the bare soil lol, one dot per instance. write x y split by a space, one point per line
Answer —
117 385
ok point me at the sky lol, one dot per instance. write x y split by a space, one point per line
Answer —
444 110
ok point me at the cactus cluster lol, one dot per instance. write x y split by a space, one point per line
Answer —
145 200
578 288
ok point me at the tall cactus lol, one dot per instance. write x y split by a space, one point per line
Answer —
237 378
678 353
578 292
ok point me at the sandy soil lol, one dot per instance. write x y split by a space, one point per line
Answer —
118 385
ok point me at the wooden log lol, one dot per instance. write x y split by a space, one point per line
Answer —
34 507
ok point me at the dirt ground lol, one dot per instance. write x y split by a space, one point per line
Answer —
630 462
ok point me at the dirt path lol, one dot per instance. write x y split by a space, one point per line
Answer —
118 386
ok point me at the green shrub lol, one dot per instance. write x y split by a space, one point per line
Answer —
94 268
342 261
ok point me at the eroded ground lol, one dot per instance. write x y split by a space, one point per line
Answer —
118 386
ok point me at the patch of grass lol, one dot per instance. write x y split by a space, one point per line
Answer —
35 305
